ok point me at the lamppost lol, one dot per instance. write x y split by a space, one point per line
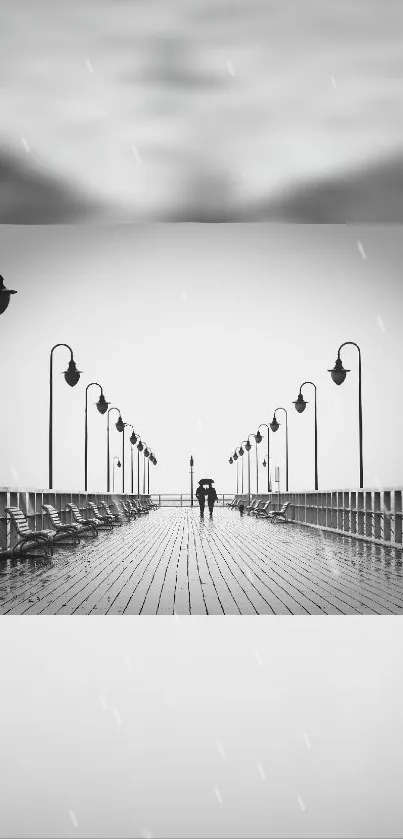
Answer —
120 425
146 454
71 376
140 448
235 457
300 405
4 296
274 425
120 428
113 471
191 478
152 459
338 375
259 438
241 453
248 448
102 406
133 440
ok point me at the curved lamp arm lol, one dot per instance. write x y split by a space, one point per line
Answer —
307 383
91 384
345 344
110 411
62 345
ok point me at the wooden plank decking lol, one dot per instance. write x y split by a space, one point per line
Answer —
170 562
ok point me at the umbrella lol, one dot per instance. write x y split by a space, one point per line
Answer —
206 481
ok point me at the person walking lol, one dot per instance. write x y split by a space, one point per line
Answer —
211 499
200 495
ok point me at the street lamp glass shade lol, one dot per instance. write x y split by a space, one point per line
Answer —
133 438
338 373
264 462
155 461
241 452
231 460
191 461
120 424
140 446
118 464
102 404
248 446
258 437
72 375
274 425
235 456
146 453
300 404
4 296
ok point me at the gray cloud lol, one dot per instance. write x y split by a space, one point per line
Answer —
237 94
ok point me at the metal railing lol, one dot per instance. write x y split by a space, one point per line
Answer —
371 514
183 500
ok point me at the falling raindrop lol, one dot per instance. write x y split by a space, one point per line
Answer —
73 818
117 716
220 749
361 249
218 794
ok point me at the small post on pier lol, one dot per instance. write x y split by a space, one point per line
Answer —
191 480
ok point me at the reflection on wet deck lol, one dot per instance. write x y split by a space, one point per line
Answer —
170 562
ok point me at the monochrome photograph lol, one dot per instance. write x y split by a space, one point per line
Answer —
208 405
201 493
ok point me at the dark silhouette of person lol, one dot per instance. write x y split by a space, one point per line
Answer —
200 495
211 499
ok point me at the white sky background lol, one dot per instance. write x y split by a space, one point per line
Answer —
146 110
197 332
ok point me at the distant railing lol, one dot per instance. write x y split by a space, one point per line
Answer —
183 500
31 501
370 514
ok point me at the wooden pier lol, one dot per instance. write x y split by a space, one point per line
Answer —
170 562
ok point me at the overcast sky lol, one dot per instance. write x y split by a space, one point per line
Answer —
197 333
200 110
